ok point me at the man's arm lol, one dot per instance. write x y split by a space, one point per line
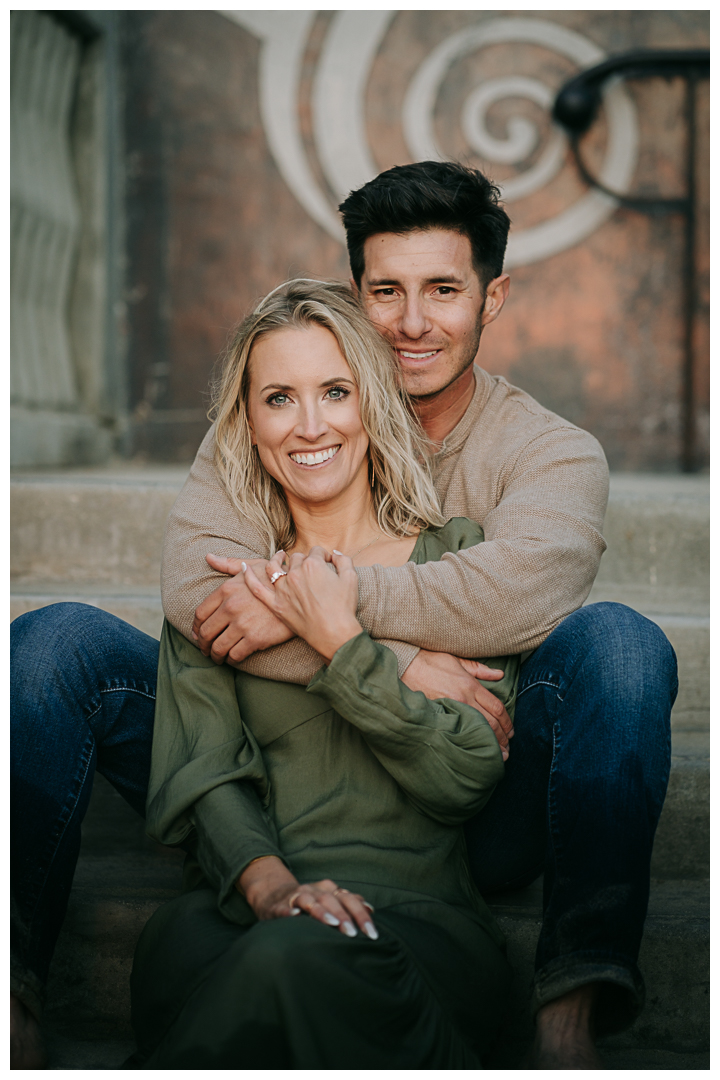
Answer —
540 557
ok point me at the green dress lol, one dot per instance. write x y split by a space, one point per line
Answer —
354 778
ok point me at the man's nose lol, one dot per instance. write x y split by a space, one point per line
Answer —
414 321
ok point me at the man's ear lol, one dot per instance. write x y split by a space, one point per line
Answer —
496 294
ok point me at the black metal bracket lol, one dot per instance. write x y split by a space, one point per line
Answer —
576 108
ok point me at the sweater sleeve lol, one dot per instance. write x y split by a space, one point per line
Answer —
541 554
208 781
203 521
442 753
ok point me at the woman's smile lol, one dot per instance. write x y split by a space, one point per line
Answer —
313 460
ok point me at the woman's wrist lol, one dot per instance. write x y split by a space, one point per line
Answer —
262 879
331 638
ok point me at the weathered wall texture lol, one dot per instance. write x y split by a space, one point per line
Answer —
243 135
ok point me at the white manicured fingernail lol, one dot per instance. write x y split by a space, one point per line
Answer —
371 931
368 905
244 567
349 929
336 552
330 919
294 910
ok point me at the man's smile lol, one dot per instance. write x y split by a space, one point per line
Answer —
416 357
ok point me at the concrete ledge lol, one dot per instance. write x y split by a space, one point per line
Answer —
141 608
41 438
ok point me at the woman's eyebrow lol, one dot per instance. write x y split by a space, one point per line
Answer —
327 382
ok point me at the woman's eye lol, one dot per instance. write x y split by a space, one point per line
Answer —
337 393
278 399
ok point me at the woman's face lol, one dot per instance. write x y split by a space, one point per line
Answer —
304 414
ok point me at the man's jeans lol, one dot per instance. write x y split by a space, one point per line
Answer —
581 797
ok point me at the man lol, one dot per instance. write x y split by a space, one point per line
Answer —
589 759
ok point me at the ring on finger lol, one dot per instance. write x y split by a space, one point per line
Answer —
276 575
336 892
293 899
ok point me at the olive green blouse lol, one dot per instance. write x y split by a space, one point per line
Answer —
355 777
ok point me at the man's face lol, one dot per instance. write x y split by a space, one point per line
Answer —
422 291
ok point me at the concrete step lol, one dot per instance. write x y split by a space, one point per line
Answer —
140 606
682 841
99 527
107 525
657 530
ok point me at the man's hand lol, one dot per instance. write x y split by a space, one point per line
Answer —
231 624
442 675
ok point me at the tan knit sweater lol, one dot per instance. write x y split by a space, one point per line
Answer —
536 484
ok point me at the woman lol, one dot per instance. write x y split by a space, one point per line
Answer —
328 919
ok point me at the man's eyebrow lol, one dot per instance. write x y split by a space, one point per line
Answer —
450 279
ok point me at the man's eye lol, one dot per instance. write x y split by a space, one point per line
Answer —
445 290
385 292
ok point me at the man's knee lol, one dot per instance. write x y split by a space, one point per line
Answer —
623 646
61 637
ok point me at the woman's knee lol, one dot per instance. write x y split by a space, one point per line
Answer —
283 952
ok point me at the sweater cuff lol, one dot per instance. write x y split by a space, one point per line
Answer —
405 653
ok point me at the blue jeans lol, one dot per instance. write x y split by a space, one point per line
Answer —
581 797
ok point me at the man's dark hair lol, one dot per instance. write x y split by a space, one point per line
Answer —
429 195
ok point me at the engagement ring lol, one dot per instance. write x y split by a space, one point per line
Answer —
276 575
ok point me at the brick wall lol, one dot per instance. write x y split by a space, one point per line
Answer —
241 136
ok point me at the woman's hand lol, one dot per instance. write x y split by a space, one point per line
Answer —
316 597
274 893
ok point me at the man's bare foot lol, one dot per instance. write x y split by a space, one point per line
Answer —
27 1046
564 1032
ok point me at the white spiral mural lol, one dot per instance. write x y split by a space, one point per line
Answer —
339 129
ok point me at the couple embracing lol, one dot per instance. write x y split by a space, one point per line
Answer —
370 513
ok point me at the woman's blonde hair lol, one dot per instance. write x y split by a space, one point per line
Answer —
403 493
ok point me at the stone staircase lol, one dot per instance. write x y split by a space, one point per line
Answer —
95 536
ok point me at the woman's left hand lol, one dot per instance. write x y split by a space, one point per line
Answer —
316 597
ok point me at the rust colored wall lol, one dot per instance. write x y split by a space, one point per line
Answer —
593 330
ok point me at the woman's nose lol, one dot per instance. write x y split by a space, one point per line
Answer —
312 424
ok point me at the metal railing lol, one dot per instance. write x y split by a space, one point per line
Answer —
576 107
